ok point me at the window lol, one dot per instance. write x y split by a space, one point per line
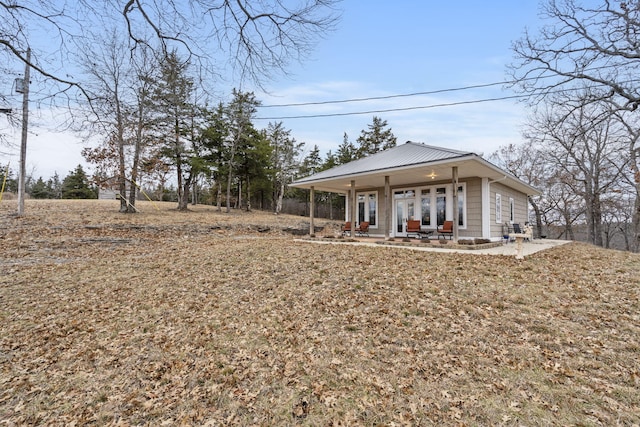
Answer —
461 209
425 208
441 205
368 208
498 208
373 209
436 205
512 210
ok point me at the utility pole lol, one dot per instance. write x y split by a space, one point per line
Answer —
23 145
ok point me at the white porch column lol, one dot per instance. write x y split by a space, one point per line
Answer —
485 196
312 228
353 208
387 207
456 210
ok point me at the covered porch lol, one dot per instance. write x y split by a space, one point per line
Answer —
417 182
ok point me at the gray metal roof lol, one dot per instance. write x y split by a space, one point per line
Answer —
409 164
410 153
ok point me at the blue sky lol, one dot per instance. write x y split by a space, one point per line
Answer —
384 48
380 48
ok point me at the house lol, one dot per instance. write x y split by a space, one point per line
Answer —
432 184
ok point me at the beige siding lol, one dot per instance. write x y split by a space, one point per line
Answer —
474 209
473 205
520 207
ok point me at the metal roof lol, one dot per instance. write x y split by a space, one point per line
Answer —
410 153
408 164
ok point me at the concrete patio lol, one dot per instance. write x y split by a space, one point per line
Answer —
509 249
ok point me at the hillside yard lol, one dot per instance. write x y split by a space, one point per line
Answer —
208 318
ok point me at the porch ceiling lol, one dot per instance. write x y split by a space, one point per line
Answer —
417 174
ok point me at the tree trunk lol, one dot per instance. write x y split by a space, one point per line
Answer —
248 195
229 193
635 226
194 192
597 220
183 198
136 161
538 214
122 179
280 197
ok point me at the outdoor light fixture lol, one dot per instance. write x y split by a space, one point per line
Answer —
432 175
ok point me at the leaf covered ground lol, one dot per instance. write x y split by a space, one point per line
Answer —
208 318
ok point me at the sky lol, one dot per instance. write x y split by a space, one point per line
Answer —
379 49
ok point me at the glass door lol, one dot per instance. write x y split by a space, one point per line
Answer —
404 210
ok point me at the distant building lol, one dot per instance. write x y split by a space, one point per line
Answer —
109 189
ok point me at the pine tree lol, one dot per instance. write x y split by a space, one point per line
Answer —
284 160
347 152
76 185
375 139
39 190
175 114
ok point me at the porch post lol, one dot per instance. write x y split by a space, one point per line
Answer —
456 213
387 207
353 208
312 228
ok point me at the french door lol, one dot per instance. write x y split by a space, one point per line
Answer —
404 209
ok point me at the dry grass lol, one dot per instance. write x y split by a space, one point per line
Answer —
200 319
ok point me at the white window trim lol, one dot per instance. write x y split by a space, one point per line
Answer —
366 195
449 206
498 208
464 205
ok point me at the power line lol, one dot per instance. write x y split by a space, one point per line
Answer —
389 110
422 107
406 95
375 98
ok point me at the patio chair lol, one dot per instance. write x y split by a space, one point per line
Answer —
363 229
446 230
346 228
413 229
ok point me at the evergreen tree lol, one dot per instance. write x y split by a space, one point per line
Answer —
312 163
284 160
10 183
54 186
76 185
39 190
347 152
252 163
330 161
375 139
238 114
175 115
213 140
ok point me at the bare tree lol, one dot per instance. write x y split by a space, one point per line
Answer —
253 37
586 46
120 87
583 140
